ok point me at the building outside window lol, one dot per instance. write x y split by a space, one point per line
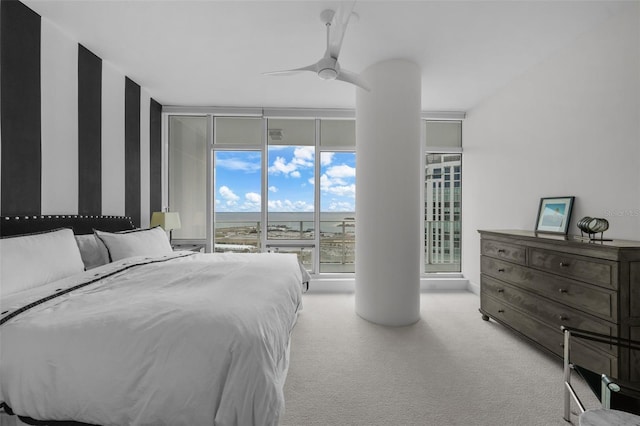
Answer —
443 196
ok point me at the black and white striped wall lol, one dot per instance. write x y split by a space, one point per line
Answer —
78 136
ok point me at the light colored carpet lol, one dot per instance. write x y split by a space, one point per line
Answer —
450 368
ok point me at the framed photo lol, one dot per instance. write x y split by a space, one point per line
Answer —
554 215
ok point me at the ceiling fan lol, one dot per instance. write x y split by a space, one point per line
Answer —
328 67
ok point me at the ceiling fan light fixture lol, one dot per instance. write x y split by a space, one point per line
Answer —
328 74
328 68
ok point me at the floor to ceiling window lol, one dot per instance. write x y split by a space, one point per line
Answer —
291 212
252 184
188 174
277 184
443 196
337 196
237 188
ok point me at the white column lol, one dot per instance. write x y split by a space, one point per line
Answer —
388 194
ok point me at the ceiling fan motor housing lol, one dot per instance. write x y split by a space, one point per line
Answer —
328 68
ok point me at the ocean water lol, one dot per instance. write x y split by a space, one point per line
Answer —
329 221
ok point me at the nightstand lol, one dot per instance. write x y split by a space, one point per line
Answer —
189 247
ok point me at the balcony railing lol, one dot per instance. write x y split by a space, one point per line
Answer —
442 246
337 240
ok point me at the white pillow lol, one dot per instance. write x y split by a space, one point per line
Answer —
28 261
92 250
143 242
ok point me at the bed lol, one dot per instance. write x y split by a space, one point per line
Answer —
139 334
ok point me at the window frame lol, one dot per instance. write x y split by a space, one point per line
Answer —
266 244
283 113
439 150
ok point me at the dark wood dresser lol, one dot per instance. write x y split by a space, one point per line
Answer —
534 283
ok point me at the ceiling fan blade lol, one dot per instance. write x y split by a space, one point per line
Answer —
312 67
339 27
353 78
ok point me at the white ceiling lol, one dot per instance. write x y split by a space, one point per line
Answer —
212 53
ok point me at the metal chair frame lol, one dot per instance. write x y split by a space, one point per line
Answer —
608 384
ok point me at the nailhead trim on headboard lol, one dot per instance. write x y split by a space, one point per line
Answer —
81 224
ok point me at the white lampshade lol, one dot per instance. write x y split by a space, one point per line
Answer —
166 220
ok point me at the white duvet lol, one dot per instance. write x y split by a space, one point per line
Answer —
200 339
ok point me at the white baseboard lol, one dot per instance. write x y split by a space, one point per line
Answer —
427 284
474 288
332 285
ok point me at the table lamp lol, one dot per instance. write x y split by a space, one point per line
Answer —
166 220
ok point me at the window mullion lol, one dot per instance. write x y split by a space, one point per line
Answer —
316 200
210 212
264 189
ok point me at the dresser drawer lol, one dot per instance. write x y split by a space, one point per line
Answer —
548 337
634 290
506 251
521 322
594 300
593 271
533 283
634 361
552 313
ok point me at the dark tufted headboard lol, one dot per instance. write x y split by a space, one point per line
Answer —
81 224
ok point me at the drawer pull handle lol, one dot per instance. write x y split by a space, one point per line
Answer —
501 250
501 270
562 290
564 264
563 318
500 290
501 311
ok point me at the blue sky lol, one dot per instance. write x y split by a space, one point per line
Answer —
290 180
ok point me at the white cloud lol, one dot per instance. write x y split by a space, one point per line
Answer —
227 194
252 202
289 206
337 186
273 189
343 190
341 206
302 158
338 180
325 182
341 171
304 154
280 166
237 164
253 197
326 158
274 204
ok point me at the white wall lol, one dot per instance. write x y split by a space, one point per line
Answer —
59 106
569 126
145 163
113 159
59 109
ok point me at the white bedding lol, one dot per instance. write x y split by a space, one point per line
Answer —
201 339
